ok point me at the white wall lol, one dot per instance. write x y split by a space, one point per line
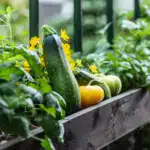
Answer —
67 9
54 8
124 4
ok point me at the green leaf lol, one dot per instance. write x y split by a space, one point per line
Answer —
27 75
36 95
29 103
47 144
61 100
7 89
50 111
20 126
53 128
3 103
51 100
2 37
8 9
8 69
9 13
34 62
5 116
111 57
129 75
44 86
13 102
30 56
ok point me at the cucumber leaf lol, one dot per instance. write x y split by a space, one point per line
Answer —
47 143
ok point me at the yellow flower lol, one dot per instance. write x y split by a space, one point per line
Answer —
26 66
93 68
66 48
41 46
27 69
42 62
31 48
33 42
72 65
69 59
79 63
42 58
64 35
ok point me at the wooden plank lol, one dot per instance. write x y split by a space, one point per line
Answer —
19 139
100 125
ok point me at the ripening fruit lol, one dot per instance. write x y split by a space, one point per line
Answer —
111 84
91 95
118 83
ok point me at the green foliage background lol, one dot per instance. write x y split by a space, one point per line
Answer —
94 19
20 19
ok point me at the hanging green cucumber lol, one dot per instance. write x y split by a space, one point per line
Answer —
61 77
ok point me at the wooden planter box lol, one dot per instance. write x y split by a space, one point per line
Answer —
97 126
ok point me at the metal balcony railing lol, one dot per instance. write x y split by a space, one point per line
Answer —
78 28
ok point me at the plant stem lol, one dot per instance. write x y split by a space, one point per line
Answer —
10 31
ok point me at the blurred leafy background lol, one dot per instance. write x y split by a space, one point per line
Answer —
94 19
19 20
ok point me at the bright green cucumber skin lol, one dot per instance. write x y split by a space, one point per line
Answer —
61 77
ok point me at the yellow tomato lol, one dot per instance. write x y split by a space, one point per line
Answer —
91 95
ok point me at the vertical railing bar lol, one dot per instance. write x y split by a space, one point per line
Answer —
110 14
136 9
34 18
78 25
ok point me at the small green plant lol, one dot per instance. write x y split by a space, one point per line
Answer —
19 19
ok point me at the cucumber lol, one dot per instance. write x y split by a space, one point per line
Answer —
83 78
60 75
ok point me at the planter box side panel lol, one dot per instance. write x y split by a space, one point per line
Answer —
100 125
96 127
